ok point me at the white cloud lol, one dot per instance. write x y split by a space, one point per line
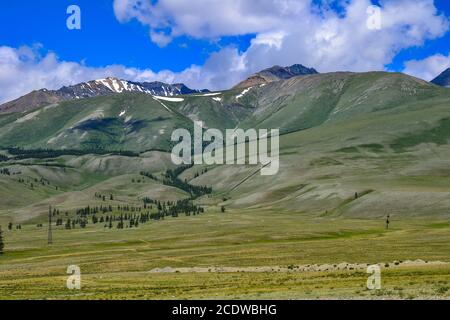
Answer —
210 18
287 32
160 38
332 42
428 68
24 69
270 39
291 31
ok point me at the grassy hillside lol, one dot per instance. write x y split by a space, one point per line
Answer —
309 101
355 140
133 122
139 122
395 160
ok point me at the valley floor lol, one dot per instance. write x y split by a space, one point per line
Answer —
237 254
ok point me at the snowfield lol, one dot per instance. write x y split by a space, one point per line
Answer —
243 93
207 94
169 99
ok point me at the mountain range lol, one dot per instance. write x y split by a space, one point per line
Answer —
111 85
276 73
89 116
384 136
95 88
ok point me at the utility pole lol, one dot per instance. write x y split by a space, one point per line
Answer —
2 245
50 236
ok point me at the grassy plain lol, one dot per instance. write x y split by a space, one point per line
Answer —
118 263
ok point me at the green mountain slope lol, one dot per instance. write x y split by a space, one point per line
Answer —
392 161
308 101
305 102
133 122
362 145
138 122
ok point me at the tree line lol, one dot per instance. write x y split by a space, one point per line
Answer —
171 179
5 171
20 153
128 216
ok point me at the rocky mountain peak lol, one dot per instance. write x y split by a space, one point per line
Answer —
276 73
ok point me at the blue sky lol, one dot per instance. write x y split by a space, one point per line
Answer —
103 40
213 44
431 47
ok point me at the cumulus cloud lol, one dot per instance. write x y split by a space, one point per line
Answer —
209 18
428 68
291 31
24 69
286 32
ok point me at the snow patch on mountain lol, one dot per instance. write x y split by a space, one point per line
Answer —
96 88
243 93
169 99
207 94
